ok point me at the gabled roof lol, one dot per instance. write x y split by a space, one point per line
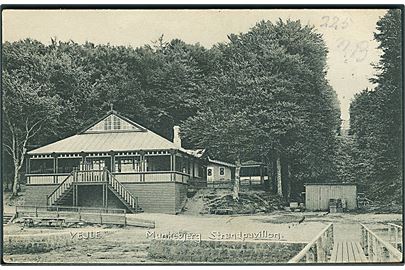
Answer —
252 163
116 123
223 163
98 138
196 152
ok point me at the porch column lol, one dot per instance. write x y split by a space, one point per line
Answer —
55 167
172 164
83 161
173 153
27 165
142 165
112 154
27 168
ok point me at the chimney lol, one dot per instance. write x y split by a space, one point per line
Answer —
176 136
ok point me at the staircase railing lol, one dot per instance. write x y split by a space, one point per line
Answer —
122 191
60 190
93 176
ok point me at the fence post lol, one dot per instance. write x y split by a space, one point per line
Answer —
57 211
36 211
101 218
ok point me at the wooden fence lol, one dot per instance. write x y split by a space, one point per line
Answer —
376 249
74 214
228 184
90 215
318 250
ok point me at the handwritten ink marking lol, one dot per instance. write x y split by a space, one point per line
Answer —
335 22
357 51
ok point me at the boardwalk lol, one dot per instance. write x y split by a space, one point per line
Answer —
347 252
347 243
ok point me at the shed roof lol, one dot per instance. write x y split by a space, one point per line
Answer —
129 139
219 162
252 163
330 184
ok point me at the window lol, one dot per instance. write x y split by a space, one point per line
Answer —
113 122
107 123
117 123
222 171
209 172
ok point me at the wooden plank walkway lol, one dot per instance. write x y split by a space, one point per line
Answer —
347 252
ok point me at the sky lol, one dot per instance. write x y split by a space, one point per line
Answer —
348 33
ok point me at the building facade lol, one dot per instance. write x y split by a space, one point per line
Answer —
318 195
219 171
114 163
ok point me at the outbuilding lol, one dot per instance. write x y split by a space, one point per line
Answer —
218 170
318 195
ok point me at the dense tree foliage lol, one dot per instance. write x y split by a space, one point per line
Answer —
262 95
376 118
268 100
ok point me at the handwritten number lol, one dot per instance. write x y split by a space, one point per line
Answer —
356 51
325 24
345 23
343 43
334 23
362 49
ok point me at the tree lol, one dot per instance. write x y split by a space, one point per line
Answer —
272 79
221 131
376 117
27 110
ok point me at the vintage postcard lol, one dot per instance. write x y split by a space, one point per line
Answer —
202 135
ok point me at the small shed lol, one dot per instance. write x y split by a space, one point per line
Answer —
218 170
317 195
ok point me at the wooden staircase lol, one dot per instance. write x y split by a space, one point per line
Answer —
122 193
65 191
